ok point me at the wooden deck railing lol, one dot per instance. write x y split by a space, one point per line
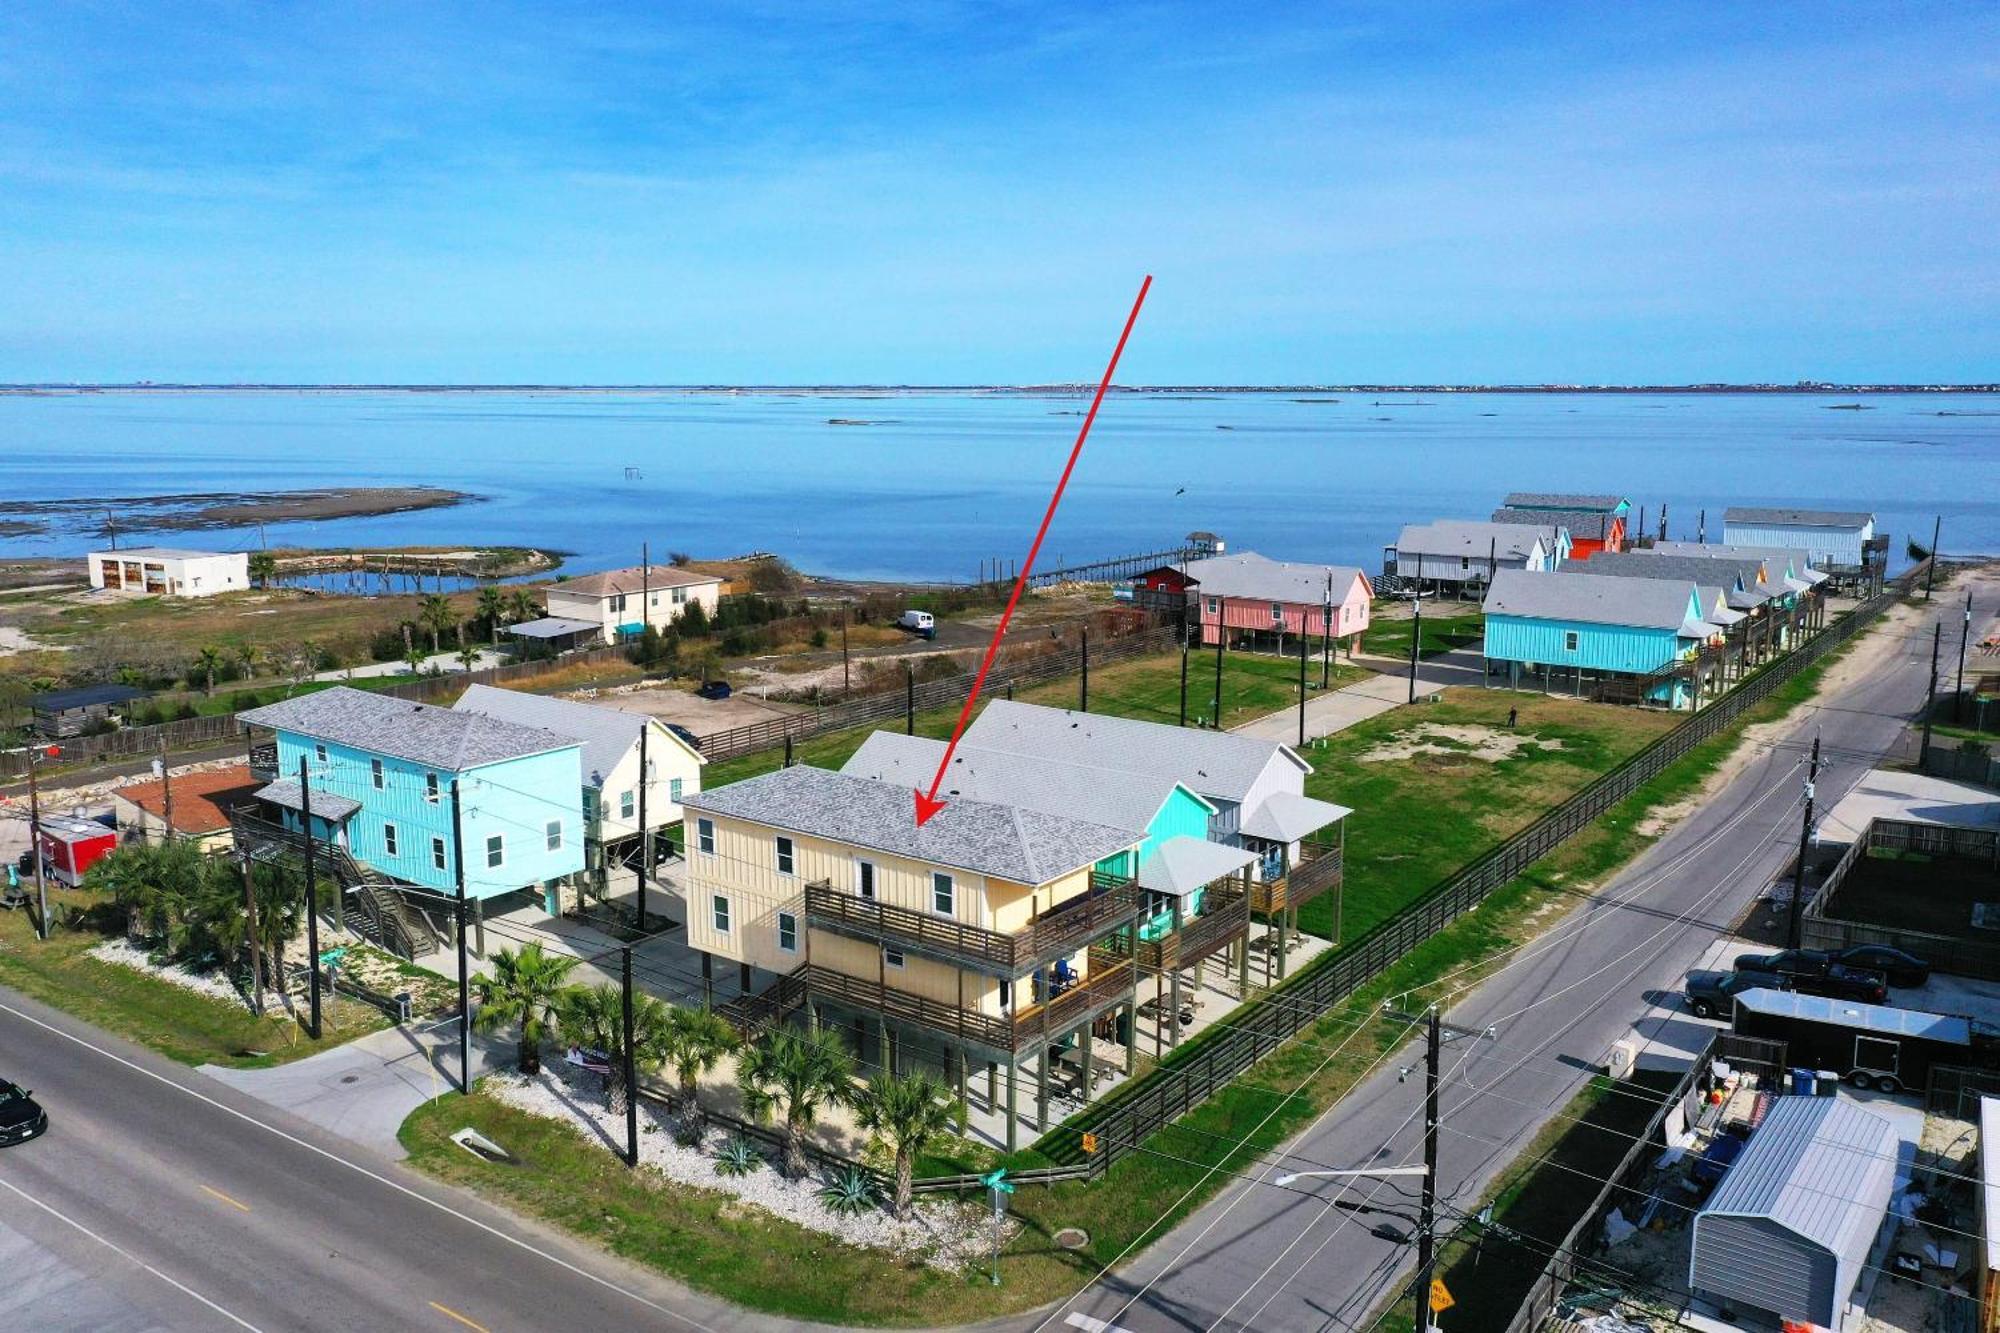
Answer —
1318 870
1063 929
1110 980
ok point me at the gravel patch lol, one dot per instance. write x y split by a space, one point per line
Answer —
211 984
948 1236
1472 742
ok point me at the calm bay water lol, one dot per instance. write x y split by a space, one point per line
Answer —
938 481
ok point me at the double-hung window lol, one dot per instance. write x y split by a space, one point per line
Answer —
944 894
1569 640
788 932
864 883
554 831
319 753
375 774
786 861
496 851
1277 613
627 804
704 836
674 789
718 907
1214 605
431 788
437 853
389 838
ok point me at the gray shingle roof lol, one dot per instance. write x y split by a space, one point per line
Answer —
1116 798
1181 864
607 734
1818 518
1562 500
1733 573
1581 523
285 792
1286 816
1594 599
1822 1167
421 733
1214 764
1472 537
1260 578
1777 559
1007 842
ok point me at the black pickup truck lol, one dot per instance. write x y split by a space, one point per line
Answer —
1713 994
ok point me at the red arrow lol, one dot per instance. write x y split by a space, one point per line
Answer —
927 802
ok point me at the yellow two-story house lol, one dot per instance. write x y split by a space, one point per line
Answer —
975 940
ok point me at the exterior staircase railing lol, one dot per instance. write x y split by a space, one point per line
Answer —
396 923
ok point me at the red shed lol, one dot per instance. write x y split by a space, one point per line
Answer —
72 846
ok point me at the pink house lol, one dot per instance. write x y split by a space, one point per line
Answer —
1258 600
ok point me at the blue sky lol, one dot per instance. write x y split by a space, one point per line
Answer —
970 193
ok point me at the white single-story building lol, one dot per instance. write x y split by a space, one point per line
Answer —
161 571
1833 537
1464 551
624 601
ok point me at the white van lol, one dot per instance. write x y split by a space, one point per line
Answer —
917 622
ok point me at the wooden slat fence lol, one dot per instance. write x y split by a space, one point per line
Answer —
1130 1116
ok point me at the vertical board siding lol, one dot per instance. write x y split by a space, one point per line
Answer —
1599 647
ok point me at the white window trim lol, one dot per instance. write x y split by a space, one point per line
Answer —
439 859
720 917
552 832
319 751
894 958
950 893
704 836
1277 613
491 850
628 804
676 788
1572 640
866 885
785 856
377 776
783 918
391 844
432 789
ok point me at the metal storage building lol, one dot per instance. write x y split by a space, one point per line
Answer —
1834 537
1790 1228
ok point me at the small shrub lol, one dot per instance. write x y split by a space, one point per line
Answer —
739 1157
849 1191
819 638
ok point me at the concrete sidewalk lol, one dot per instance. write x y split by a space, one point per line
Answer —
1341 709
364 1090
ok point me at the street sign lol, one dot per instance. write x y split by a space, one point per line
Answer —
1441 1297
997 1180
332 957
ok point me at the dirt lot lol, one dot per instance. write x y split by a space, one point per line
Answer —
687 709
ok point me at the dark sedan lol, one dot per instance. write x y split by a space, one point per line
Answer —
1902 969
1841 982
1785 962
21 1117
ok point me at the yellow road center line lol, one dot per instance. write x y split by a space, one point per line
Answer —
233 1203
447 1311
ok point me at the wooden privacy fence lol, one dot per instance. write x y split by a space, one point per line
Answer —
1171 1090
933 694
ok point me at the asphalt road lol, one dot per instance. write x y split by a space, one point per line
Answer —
160 1200
1308 1257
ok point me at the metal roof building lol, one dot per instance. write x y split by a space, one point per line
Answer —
1790 1228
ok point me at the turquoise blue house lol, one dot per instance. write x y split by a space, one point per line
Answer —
1577 626
382 774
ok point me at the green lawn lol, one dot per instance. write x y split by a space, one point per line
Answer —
1391 638
1419 818
181 1024
1253 684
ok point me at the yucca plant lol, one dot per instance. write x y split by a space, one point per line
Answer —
739 1157
849 1191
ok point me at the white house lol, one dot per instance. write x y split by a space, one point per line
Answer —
1471 551
625 601
1832 537
160 571
611 740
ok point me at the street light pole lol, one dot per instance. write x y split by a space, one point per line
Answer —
35 756
1427 1211
1416 638
464 977
1964 633
1805 833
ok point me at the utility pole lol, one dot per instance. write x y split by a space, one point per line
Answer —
312 894
464 977
631 1070
1184 657
1220 632
1930 697
35 756
1937 527
1805 835
1326 637
909 700
1964 633
1416 638
645 585
1083 691
1701 529
250 927
1302 687
1427 1209
645 833
846 681
166 789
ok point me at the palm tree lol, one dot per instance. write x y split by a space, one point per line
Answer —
594 1016
908 1113
263 567
435 614
521 605
492 608
207 660
468 657
526 988
246 659
697 1039
797 1075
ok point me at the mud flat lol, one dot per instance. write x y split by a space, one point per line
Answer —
225 509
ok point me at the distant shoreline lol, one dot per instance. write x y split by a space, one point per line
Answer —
44 390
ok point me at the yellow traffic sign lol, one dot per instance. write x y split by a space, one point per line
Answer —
1441 1298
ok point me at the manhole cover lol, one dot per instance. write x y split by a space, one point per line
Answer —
1072 1238
350 1078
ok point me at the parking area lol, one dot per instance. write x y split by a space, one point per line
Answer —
1978 1000
688 709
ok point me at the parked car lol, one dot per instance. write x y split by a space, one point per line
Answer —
1841 982
1713 994
21 1117
1902 969
714 689
694 741
920 623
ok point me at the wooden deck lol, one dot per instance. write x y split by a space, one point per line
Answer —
1062 930
1319 869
